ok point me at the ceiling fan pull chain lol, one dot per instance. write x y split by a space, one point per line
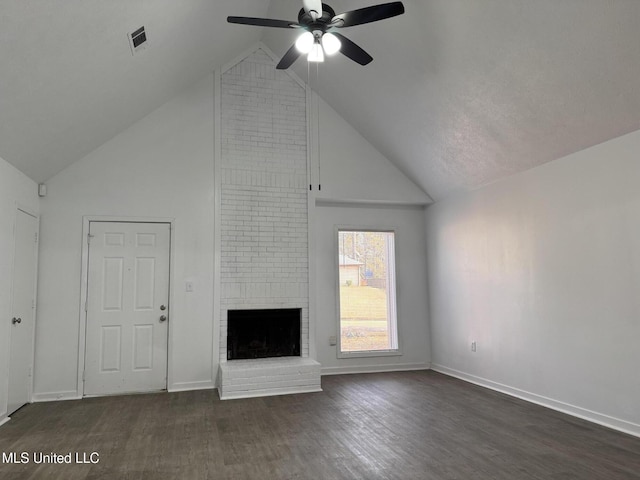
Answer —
318 83
310 105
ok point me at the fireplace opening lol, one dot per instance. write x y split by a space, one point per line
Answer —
263 333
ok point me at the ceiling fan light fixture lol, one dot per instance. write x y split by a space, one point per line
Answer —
305 42
331 43
318 21
316 54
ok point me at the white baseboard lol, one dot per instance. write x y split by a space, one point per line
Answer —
398 367
186 386
55 396
73 395
573 410
4 420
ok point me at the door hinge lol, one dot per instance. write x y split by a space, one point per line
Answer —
89 237
83 375
85 307
36 237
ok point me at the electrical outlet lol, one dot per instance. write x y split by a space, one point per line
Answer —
473 346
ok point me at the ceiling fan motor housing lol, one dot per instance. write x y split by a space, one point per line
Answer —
321 23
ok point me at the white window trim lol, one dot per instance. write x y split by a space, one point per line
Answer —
392 279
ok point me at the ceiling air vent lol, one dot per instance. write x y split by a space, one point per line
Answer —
138 40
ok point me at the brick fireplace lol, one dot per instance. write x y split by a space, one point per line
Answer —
264 259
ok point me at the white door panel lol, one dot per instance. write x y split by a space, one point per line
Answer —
23 319
127 308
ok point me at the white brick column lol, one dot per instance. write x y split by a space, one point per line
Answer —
263 206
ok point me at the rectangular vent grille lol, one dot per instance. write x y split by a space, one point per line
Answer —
138 40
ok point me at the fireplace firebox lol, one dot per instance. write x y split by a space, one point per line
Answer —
263 333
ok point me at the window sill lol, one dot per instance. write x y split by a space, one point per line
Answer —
370 353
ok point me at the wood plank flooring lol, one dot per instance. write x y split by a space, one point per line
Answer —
411 425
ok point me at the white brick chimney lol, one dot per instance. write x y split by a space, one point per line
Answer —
263 214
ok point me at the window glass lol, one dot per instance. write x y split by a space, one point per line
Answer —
366 266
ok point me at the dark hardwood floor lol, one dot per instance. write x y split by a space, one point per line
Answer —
412 425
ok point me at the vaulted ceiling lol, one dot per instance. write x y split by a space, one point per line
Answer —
460 93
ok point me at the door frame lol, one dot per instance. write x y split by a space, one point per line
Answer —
84 279
28 211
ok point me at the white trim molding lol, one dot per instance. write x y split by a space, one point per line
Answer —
334 202
398 367
188 386
573 410
56 396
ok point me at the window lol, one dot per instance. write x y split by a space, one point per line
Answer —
367 293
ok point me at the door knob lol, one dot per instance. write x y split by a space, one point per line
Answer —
163 318
162 307
16 320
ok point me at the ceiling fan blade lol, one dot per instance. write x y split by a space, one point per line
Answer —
287 60
263 22
353 51
367 14
313 6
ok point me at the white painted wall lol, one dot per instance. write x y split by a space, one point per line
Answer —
351 169
160 167
361 188
543 271
15 189
411 283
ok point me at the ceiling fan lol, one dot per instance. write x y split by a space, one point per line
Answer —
319 23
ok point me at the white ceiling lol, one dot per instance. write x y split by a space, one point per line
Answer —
68 80
460 92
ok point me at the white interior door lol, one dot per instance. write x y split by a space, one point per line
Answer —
127 308
23 307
